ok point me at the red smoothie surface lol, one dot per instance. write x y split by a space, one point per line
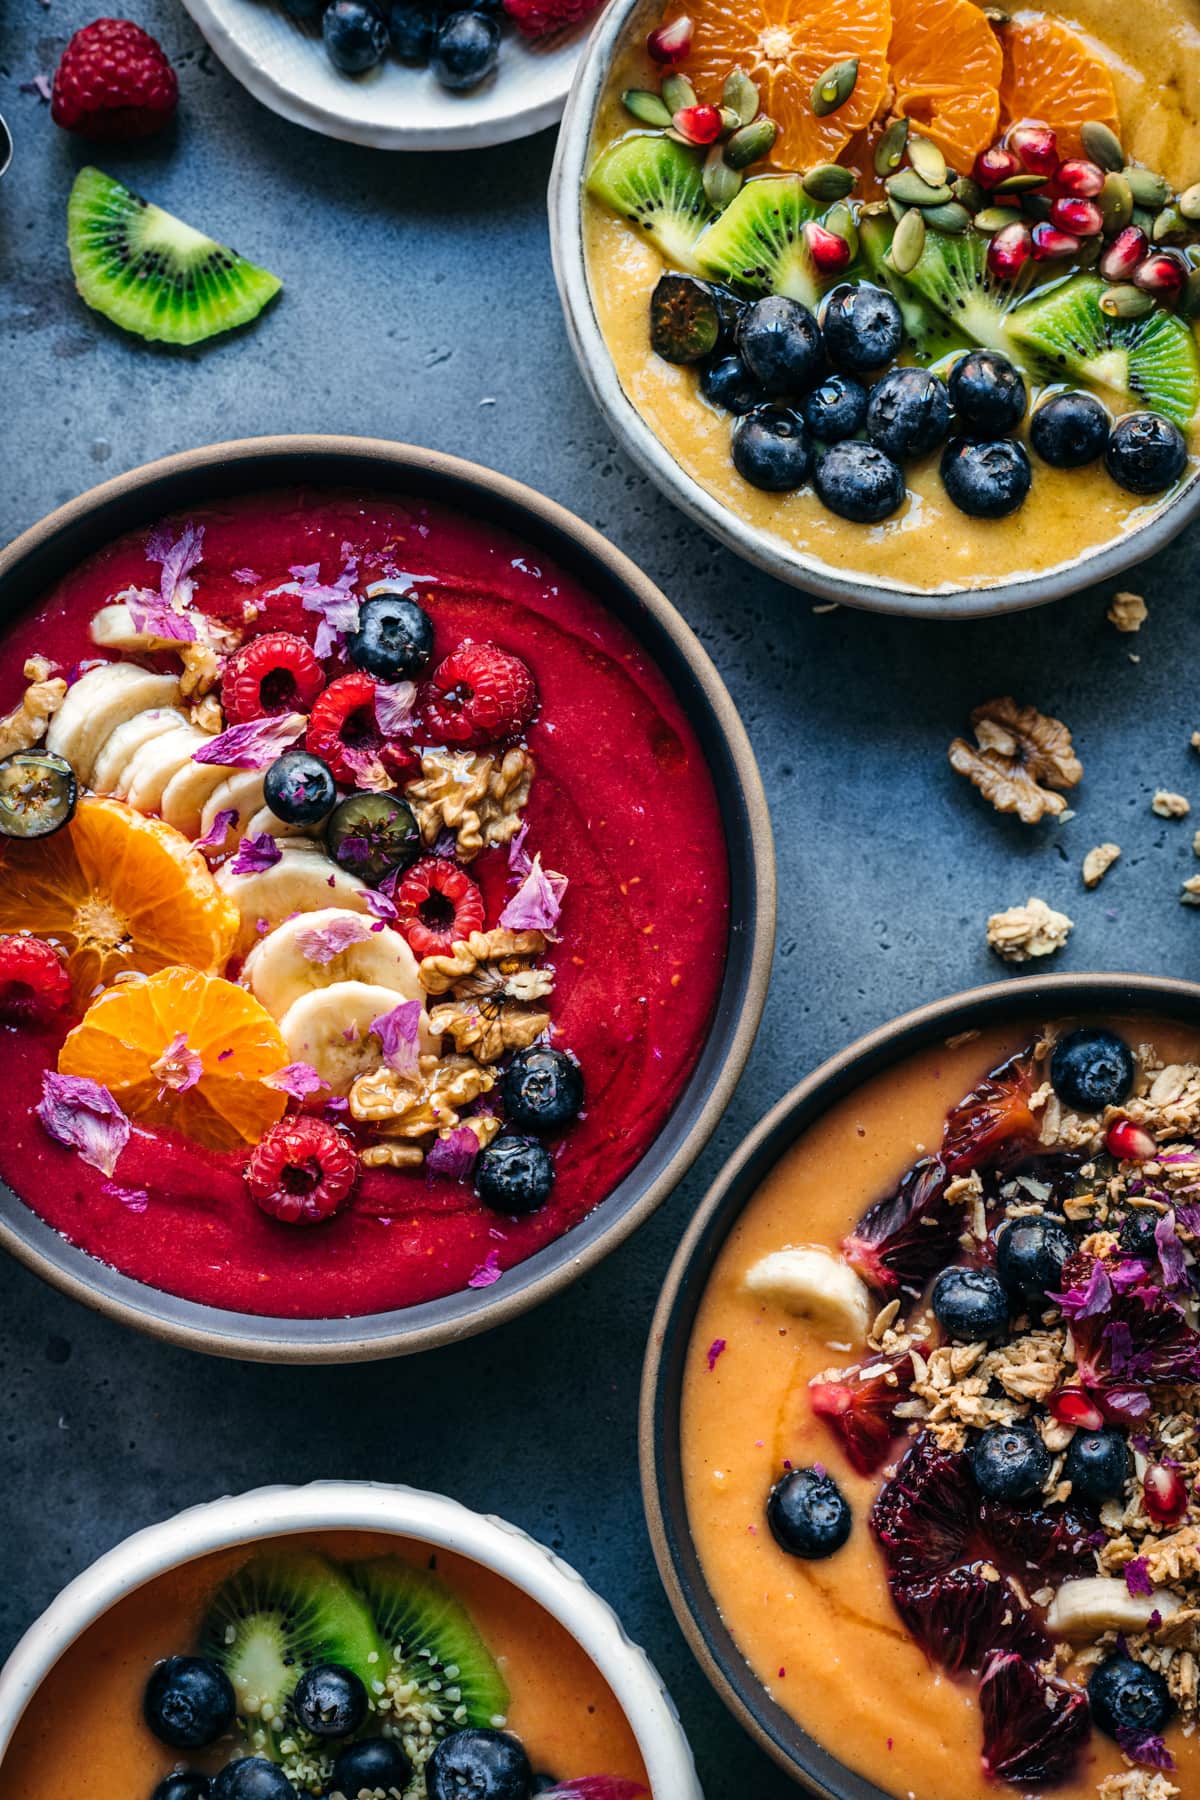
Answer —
622 804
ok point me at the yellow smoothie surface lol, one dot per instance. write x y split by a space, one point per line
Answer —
824 1637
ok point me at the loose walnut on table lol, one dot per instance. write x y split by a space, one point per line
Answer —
1020 761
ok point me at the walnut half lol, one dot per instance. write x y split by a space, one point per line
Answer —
1019 760
26 724
491 992
475 795
417 1105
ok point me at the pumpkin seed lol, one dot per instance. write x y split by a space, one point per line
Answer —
951 220
969 192
1144 219
721 183
1189 202
751 142
995 218
678 92
646 107
1019 184
832 89
908 243
1190 304
1115 201
1036 207
828 181
841 220
889 151
909 187
897 210
1169 223
741 96
927 160
1102 145
1148 188
1126 302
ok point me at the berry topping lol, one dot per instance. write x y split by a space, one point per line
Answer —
1125 254
1050 1540
1082 218
1136 1236
542 1089
923 1516
987 392
437 906
1033 1729
1091 1069
862 328
771 449
1030 1254
780 343
1164 1494
908 412
995 165
478 695
1071 1406
372 835
689 319
34 984
1129 1142
962 1616
344 732
185 1785
1078 176
465 50
836 409
1163 275
394 639
1010 1462
1050 244
728 383
302 1171
993 1126
1146 453
900 1242
252 1778
189 1702
490 1764
860 1409
372 1763
412 30
808 1514
859 482
113 83
671 43
355 37
38 792
971 1304
1009 251
330 1701
986 481
1097 1466
1035 147
274 674
299 788
514 1175
535 18
1069 431
1127 1696
698 124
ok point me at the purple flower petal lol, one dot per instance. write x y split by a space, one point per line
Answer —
1145 1748
256 854
488 1271
398 1032
254 745
321 943
135 1200
247 577
178 1068
395 707
1088 1301
454 1155
1120 1343
84 1116
596 1787
178 559
518 857
1171 1259
151 614
716 1350
537 903
1137 1576
380 905
336 602
218 831
299 1080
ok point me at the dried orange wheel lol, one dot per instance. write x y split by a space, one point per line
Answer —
184 1050
117 892
945 67
784 46
1050 74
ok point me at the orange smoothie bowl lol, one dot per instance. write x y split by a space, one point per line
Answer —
358 1067
870 1426
471 1638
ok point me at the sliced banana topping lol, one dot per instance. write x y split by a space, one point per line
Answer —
116 755
98 703
303 880
282 966
240 793
814 1284
156 763
186 795
330 1028
113 629
1082 1610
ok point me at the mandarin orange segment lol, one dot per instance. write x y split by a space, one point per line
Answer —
186 1051
946 66
784 46
1051 74
118 892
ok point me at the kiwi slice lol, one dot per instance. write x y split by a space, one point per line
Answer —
151 273
951 275
758 244
658 185
929 336
438 1668
1150 361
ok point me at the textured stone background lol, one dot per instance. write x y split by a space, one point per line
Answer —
416 289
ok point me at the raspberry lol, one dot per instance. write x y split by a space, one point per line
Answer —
277 673
479 694
534 18
113 83
437 906
34 984
343 732
302 1171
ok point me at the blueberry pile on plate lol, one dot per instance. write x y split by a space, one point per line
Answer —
460 44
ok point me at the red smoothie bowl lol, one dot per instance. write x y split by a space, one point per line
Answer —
642 791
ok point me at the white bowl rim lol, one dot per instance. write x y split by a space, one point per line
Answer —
394 1509
637 439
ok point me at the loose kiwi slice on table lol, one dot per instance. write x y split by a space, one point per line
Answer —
1150 361
758 244
658 185
151 273
437 1664
951 275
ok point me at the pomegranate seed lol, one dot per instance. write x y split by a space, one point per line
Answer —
1035 147
830 252
1162 275
1165 1495
698 124
1078 176
1128 1142
671 43
1009 251
1049 243
1071 1406
1081 217
995 165
1127 250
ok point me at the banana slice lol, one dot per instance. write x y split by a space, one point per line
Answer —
186 795
265 820
113 629
117 754
100 701
1081 1610
240 793
156 763
330 1028
814 1284
278 973
303 880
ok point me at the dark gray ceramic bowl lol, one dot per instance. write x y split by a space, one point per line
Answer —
35 561
814 1765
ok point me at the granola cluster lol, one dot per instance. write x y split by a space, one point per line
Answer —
26 724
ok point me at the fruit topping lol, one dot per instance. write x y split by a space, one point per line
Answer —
1084 1610
252 1778
1092 1068
812 1283
1127 1696
923 1516
899 1242
1139 1338
1149 360
437 905
685 321
759 245
189 1702
671 43
986 481
908 412
1071 1406
34 984
699 124
961 1617
1030 1253
542 1090
1069 431
394 639
859 482
862 327
726 381
1129 1143
995 164
1009 251
987 392
859 1407
808 1514
466 50
780 343
1033 1729
344 731
656 184
1080 177
355 35
1097 1465
771 449
113 83
371 1764
186 1784
490 1764
479 694
329 1701
373 835
836 409
971 1304
514 1175
1164 1494
299 788
1010 1462
1146 453
38 793
273 674
1049 1540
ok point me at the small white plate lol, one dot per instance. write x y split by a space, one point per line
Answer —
284 65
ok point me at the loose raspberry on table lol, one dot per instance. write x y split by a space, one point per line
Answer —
275 673
478 695
34 984
437 906
536 18
344 732
113 83
302 1171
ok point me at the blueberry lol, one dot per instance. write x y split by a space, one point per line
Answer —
355 36
1146 453
1127 1696
38 792
808 1514
780 343
1010 1462
478 1765
185 1784
970 1304
859 482
371 1763
1097 1466
691 319
465 51
542 1089
1030 1254
412 30
1069 431
306 10
836 409
330 1701
514 1175
394 639
252 1778
1136 1236
862 328
986 481
300 788
771 449
728 383
908 412
189 1702
372 834
1092 1068
987 392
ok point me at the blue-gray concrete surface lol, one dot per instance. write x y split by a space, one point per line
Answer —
416 290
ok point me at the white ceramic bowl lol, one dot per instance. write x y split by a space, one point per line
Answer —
366 1506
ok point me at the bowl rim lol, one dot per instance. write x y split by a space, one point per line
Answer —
655 460
315 459
805 1759
394 1509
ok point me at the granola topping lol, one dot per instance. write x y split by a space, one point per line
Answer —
26 725
1022 761
1023 932
1098 862
1128 612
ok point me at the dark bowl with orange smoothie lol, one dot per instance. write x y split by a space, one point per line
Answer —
919 1410
359 1066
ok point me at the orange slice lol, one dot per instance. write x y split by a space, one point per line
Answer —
946 66
183 1050
784 46
117 892
1050 74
